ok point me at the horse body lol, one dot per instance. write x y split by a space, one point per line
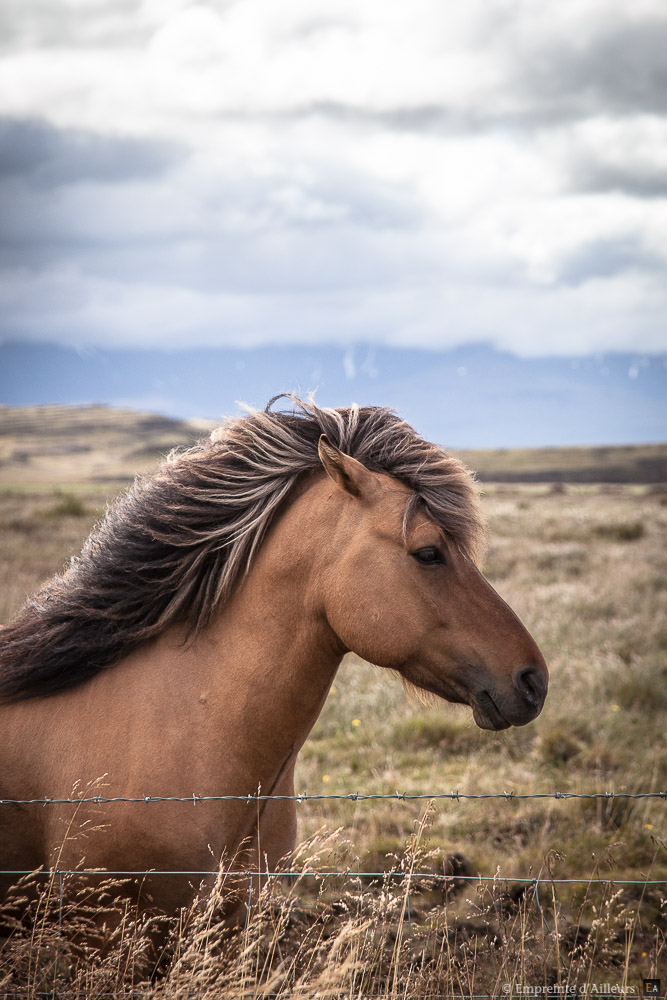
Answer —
346 564
225 713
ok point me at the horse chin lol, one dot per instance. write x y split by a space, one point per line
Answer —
486 713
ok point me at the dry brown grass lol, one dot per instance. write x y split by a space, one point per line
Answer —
397 935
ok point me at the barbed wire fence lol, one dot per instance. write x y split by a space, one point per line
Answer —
300 798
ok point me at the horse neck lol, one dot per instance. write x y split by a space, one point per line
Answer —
280 655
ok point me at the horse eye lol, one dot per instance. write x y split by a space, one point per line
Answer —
429 556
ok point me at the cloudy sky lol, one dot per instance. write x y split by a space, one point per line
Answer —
245 173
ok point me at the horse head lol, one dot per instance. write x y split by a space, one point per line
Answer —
403 595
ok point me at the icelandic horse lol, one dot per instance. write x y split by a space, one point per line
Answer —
191 646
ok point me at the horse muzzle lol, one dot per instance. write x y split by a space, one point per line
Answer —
495 709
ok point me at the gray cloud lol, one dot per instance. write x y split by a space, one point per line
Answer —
636 178
48 24
608 258
619 69
428 118
47 156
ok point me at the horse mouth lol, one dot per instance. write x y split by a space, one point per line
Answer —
486 713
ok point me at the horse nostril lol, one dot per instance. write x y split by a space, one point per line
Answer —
531 686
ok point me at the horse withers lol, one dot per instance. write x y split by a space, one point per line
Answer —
191 646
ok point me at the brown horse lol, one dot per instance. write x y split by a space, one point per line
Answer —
191 646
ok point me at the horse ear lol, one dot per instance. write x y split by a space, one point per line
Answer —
346 472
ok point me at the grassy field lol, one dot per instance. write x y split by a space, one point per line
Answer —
586 569
84 444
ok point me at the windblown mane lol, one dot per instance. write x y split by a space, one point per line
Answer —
171 549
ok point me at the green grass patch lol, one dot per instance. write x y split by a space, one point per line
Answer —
624 531
435 732
67 505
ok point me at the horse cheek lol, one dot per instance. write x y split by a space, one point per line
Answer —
376 619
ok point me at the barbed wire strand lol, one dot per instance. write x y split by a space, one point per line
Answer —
454 796
347 873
